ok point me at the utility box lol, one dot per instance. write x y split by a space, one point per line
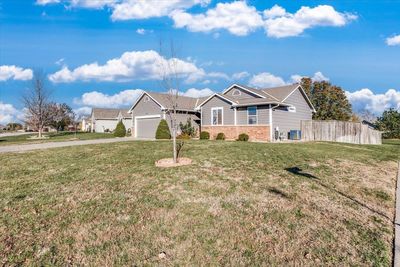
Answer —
295 134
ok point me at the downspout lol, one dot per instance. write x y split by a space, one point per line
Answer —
272 131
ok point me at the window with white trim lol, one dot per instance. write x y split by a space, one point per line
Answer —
252 115
217 116
236 92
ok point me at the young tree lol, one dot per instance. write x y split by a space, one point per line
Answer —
389 123
36 101
170 80
330 101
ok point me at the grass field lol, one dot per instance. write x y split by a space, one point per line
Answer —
238 204
53 137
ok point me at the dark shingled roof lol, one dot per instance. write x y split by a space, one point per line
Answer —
281 92
109 113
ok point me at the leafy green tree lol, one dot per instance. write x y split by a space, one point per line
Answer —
389 123
329 100
120 130
13 126
62 116
163 130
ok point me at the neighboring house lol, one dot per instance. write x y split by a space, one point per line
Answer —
239 109
86 124
151 107
106 119
370 125
256 112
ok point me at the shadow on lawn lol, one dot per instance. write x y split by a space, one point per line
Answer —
299 172
278 192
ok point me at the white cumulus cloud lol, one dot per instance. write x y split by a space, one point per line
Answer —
266 79
236 17
47 2
318 77
392 41
280 24
83 111
124 98
8 113
240 75
131 9
8 72
365 99
193 92
139 9
139 65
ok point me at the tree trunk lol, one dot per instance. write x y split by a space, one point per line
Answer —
40 132
174 142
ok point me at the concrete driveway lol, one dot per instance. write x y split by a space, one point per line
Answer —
28 147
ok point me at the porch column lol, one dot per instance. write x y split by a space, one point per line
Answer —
235 116
271 127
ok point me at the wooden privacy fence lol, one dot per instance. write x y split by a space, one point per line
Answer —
339 131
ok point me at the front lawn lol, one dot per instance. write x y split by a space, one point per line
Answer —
239 204
53 137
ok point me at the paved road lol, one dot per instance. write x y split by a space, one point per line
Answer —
15 133
22 148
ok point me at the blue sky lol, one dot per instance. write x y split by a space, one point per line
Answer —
259 43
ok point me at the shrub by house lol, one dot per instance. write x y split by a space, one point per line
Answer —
163 130
120 130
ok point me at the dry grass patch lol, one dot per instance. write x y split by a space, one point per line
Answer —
237 204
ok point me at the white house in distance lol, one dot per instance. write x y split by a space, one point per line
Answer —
106 119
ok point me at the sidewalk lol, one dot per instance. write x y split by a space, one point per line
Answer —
22 148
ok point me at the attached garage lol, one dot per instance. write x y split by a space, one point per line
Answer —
146 126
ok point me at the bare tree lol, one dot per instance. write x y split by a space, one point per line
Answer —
367 115
36 101
170 80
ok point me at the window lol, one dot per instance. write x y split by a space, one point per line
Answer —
292 109
216 116
236 92
252 115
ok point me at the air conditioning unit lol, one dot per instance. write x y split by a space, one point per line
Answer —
295 135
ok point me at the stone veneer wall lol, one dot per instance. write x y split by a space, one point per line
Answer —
255 132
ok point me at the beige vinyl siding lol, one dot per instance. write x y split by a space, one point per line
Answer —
244 94
286 120
262 115
228 113
146 108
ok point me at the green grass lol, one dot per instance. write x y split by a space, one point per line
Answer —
239 203
53 137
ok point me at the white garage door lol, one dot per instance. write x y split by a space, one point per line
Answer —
147 127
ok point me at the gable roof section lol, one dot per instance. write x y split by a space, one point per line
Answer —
304 95
248 89
224 97
140 97
109 113
280 92
184 103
